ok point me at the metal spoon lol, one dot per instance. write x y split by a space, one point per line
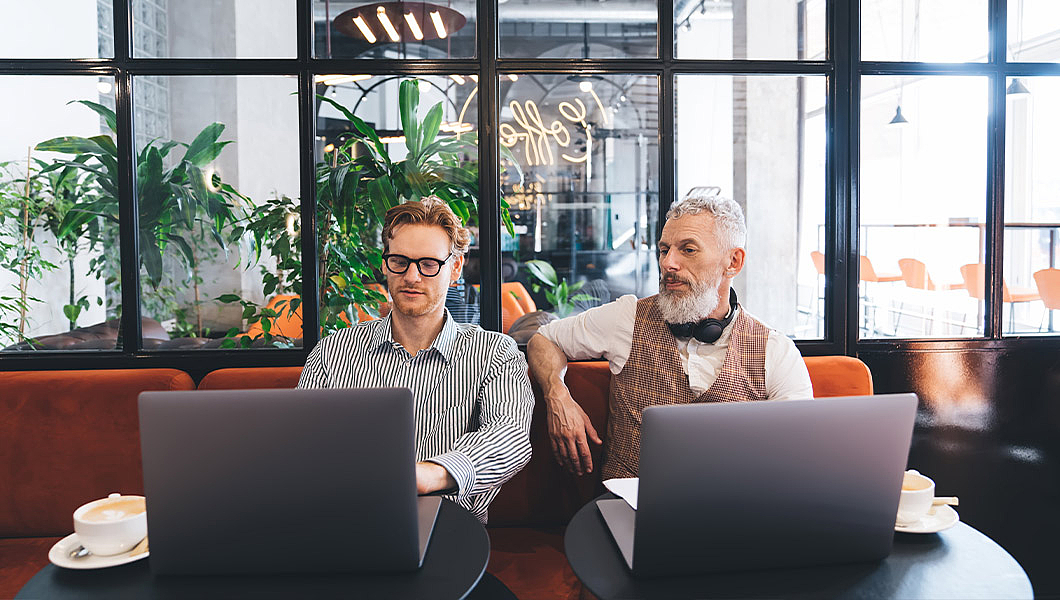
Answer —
79 552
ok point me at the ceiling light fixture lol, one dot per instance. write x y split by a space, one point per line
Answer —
365 30
414 27
1017 88
384 20
439 26
339 79
372 23
459 79
899 119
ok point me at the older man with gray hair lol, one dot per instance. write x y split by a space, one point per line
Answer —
693 342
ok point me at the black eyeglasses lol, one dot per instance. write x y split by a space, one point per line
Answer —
427 266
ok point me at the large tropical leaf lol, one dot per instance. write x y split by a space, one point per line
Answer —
543 271
429 130
409 102
202 150
69 145
103 111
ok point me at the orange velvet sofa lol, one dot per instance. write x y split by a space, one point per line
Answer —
67 437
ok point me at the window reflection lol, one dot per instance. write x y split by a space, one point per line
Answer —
577 29
923 206
580 172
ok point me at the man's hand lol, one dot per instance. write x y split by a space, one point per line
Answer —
432 477
569 430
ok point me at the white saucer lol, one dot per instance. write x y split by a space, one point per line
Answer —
60 556
937 519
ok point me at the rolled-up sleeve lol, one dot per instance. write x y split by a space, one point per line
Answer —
483 459
602 332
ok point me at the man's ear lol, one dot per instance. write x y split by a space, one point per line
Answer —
736 257
458 268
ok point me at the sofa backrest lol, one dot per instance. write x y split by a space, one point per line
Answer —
545 494
68 437
251 378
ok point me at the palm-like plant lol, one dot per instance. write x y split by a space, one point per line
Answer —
356 184
173 201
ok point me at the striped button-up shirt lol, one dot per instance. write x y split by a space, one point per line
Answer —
473 400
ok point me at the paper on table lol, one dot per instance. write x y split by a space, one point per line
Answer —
625 488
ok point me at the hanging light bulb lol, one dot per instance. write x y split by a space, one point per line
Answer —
899 119
1017 88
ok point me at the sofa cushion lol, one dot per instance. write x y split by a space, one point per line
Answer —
20 559
68 437
251 378
543 493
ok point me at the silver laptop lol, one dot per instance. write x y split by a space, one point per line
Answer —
274 481
755 485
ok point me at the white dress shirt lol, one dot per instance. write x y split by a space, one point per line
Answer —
607 332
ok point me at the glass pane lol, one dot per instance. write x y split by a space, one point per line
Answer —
761 141
1032 209
580 170
394 29
214 29
57 29
578 29
1033 31
923 206
930 31
353 285
763 29
60 277
217 185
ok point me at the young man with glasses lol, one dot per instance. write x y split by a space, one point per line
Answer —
473 400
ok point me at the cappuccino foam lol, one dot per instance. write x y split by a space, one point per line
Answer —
115 510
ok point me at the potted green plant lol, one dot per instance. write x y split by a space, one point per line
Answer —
560 294
355 185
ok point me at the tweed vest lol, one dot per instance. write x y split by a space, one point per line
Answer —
653 375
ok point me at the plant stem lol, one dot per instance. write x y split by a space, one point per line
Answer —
23 269
71 252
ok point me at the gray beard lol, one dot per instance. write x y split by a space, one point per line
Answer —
690 307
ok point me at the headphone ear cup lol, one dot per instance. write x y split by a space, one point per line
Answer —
708 330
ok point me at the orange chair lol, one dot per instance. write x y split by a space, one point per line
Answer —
974 276
818 261
915 275
288 323
867 273
1048 283
517 290
838 376
511 309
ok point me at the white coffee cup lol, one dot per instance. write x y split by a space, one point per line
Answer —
111 525
918 492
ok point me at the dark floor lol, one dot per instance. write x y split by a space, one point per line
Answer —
988 432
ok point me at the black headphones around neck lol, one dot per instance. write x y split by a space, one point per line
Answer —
708 330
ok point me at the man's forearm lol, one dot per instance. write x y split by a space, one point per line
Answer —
547 364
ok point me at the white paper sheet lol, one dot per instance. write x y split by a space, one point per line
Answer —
625 488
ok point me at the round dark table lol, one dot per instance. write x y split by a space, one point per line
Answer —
455 561
957 563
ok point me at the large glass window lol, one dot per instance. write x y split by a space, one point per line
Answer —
1031 290
383 140
1033 31
923 206
215 184
415 30
214 28
56 29
60 272
580 169
761 141
579 29
924 30
742 29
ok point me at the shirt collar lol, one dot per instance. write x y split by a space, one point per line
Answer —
383 335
